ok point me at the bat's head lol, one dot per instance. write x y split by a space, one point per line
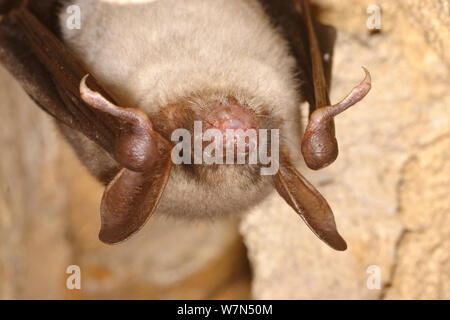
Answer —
224 151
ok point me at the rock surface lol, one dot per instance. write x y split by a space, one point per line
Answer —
389 187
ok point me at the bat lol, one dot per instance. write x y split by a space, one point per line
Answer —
133 75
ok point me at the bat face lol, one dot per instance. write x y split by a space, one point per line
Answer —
218 64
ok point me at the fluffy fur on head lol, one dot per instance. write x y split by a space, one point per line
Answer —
165 52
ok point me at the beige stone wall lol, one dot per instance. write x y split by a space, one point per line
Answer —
389 190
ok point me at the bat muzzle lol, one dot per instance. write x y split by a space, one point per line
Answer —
233 126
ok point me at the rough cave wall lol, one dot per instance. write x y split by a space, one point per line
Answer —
389 188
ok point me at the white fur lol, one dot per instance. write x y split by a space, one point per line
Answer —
153 54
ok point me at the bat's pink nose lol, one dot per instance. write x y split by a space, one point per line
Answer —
237 124
234 117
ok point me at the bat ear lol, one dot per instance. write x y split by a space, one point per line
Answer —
133 195
131 198
135 144
319 145
308 203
